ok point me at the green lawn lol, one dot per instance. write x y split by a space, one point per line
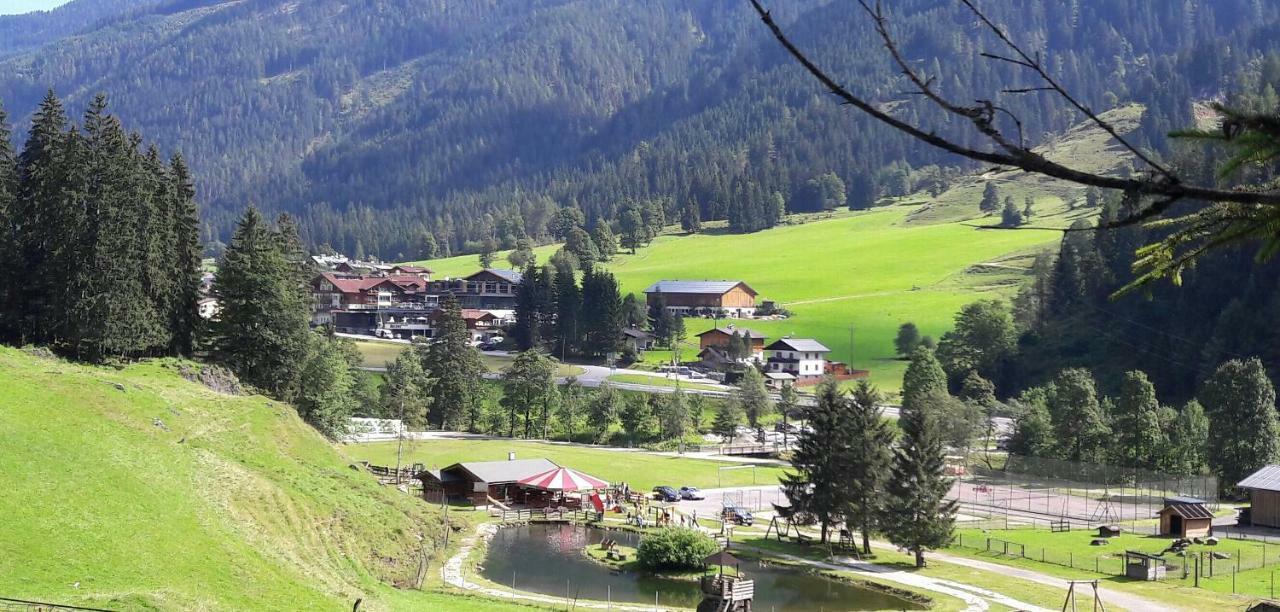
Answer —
642 470
135 489
379 354
659 381
864 272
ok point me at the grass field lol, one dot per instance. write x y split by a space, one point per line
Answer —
379 354
135 489
641 470
641 379
865 273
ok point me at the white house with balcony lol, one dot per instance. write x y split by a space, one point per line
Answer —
803 358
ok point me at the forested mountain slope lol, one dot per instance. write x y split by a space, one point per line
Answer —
380 121
26 32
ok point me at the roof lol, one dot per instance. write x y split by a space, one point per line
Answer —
1265 479
511 276
712 287
778 376
504 471
636 333
356 284
1187 511
412 269
804 345
742 331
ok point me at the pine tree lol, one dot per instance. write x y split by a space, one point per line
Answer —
184 316
633 229
924 377
674 417
637 417
324 398
40 229
870 456
1244 433
606 241
918 516
691 217
601 313
568 309
990 199
1028 207
819 489
262 332
406 392
728 418
529 314
456 367
8 246
1010 216
660 318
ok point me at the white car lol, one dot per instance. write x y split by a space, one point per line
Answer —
691 493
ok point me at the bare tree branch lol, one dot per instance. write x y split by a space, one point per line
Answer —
1167 187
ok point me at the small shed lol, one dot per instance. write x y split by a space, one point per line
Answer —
1185 517
1264 496
1143 566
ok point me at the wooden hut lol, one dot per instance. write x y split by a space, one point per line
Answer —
1185 517
1264 496
479 481
1143 566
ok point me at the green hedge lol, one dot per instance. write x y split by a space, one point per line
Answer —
674 548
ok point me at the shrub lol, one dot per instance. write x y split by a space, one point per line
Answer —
674 548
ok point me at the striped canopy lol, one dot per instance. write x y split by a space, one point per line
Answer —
564 479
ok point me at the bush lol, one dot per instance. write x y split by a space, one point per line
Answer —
674 548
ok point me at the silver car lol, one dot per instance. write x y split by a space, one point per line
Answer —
691 493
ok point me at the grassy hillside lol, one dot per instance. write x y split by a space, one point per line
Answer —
871 271
136 489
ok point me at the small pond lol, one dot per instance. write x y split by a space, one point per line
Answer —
542 557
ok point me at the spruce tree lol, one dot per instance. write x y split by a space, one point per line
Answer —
924 377
568 310
603 410
185 219
406 392
41 235
728 418
262 332
606 241
601 313
819 488
325 396
1244 433
527 331
907 340
918 516
690 217
990 199
8 248
869 458
1010 216
660 318
752 397
456 367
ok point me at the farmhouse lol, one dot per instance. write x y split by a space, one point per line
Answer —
478 481
1264 496
719 339
735 298
802 358
1185 517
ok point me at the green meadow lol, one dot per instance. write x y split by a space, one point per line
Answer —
135 489
856 274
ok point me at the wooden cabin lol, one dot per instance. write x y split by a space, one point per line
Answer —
1264 496
477 481
1185 517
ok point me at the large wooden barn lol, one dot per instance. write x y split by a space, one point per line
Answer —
703 297
1264 496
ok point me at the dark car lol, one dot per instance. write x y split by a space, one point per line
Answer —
666 494
736 515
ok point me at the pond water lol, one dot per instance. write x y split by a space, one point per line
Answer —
548 559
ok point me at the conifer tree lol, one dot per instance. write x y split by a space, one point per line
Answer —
39 224
601 313
637 417
819 489
1028 207
603 410
907 340
456 367
406 392
990 199
1010 216
924 377
690 217
788 402
184 314
325 397
918 516
529 315
660 318
8 207
262 332
869 458
568 310
528 391
606 241
728 418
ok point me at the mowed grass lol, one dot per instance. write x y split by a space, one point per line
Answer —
380 354
659 381
136 489
859 275
641 470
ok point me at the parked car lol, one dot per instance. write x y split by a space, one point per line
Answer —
491 345
737 515
691 493
665 493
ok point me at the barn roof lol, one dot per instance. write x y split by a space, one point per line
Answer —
728 331
703 287
804 345
1265 479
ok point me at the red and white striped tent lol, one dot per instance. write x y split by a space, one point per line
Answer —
564 479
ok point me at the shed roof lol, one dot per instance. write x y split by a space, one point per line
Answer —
1187 511
704 286
1265 479
798 344
636 333
504 471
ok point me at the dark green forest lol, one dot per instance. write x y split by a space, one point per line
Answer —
377 123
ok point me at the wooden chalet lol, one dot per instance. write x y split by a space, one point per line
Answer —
719 338
704 297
